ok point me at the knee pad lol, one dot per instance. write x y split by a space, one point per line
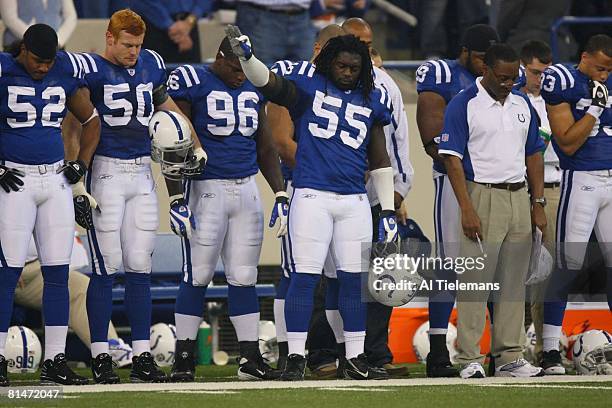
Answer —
245 276
201 276
137 262
112 261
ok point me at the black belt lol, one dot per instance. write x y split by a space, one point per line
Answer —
505 186
287 12
552 185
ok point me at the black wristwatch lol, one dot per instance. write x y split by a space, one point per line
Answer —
541 201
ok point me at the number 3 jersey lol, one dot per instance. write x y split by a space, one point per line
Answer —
332 130
225 119
566 84
31 111
123 98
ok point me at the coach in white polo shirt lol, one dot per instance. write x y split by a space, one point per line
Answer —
490 135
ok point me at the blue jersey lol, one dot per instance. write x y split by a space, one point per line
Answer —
566 84
124 100
32 111
446 78
332 129
225 119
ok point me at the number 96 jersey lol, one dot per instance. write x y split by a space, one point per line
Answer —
225 119
332 129
124 100
31 111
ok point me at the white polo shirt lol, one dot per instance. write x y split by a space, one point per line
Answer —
491 139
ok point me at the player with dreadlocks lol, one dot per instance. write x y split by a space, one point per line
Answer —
339 116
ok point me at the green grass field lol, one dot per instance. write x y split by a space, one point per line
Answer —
217 387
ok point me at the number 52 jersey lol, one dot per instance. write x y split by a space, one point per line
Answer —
32 111
123 98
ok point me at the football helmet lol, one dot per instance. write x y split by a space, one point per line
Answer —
593 353
268 344
23 350
420 342
163 339
171 144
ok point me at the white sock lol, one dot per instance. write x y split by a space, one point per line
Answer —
140 346
98 348
335 322
297 342
186 326
279 320
246 326
3 336
354 343
55 341
550 337
438 331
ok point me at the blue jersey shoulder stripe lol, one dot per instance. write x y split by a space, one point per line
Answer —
76 65
189 75
447 71
158 59
87 62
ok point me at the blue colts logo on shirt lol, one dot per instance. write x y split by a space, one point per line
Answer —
521 117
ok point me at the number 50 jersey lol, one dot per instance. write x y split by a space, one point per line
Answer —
31 111
124 100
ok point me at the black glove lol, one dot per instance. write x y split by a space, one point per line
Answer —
10 178
73 170
599 94
82 212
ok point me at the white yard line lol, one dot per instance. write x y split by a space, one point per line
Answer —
258 385
566 387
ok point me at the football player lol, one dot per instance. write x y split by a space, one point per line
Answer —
581 121
229 116
127 84
438 81
339 116
38 86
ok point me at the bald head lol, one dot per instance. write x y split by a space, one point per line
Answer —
326 34
360 29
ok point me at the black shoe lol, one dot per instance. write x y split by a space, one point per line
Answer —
341 367
294 369
357 368
145 370
102 369
4 381
283 352
551 363
56 371
255 368
184 366
438 365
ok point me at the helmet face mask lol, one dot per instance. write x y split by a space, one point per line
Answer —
171 144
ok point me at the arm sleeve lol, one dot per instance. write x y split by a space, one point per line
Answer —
534 142
431 77
454 137
182 83
201 8
69 21
155 12
10 17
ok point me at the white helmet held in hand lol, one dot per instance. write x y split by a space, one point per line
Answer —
593 353
163 339
420 342
171 143
23 350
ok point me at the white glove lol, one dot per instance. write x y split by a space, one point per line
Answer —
182 220
280 210
387 226
78 189
241 45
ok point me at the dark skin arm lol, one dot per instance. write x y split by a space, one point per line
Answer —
80 106
281 128
430 120
469 218
377 149
280 91
535 178
267 158
569 134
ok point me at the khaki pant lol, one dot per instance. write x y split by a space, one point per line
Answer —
29 293
505 218
537 306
